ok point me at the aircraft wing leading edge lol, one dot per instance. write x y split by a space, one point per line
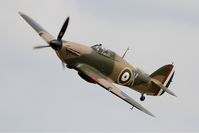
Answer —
42 32
104 82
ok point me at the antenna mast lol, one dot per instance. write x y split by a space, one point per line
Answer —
125 52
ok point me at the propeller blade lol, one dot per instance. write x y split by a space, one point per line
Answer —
38 47
63 29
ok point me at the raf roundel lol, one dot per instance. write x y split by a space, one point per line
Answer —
125 76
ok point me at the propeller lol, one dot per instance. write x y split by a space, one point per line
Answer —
63 29
57 44
38 47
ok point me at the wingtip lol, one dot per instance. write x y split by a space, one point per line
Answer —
149 113
153 116
20 13
146 112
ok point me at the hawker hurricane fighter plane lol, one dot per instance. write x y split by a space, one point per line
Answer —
104 67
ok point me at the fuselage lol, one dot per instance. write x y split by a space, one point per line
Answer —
110 64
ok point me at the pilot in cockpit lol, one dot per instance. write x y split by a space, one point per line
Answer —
98 48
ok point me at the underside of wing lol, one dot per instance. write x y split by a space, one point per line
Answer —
42 32
106 83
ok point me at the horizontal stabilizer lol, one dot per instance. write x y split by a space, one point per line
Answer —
162 87
168 91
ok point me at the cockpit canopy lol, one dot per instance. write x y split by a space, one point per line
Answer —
106 52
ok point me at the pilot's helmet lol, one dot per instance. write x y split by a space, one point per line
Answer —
100 44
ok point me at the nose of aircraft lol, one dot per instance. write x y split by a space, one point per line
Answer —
55 44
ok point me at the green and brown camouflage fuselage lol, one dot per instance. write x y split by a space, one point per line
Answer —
74 53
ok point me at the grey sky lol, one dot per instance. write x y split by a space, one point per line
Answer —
36 94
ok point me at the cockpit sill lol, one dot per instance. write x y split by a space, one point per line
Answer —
102 51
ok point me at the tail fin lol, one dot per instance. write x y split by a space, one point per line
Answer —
164 75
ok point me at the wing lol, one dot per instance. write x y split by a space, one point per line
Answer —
106 83
42 32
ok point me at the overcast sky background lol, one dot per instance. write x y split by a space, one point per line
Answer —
37 95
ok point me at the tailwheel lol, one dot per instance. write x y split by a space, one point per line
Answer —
142 98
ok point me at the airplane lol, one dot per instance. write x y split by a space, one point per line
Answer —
104 67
